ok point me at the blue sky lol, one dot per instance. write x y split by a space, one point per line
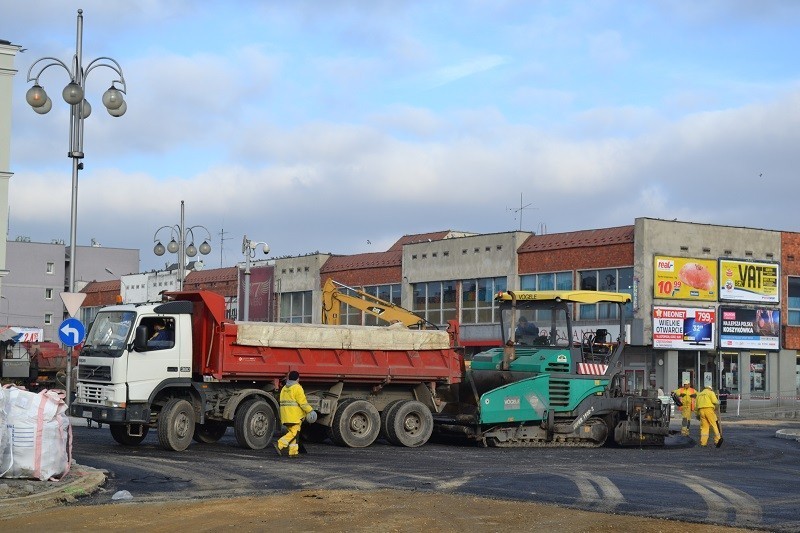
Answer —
339 126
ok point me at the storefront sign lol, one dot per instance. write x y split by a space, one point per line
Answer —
750 328
682 278
682 328
747 281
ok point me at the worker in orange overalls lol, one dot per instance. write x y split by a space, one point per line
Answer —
707 403
294 408
686 395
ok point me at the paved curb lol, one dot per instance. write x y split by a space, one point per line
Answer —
792 434
81 481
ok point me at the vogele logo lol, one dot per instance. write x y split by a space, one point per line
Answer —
665 265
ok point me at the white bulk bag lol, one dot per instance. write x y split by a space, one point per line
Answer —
40 434
5 440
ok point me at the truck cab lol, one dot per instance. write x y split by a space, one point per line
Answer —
121 366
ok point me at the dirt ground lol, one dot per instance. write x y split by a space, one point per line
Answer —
329 511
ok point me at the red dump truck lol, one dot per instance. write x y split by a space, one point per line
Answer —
208 373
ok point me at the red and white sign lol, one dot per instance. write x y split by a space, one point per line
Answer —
684 328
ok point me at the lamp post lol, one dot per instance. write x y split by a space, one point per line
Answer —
182 233
74 94
249 251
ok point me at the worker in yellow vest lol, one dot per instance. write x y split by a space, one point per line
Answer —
294 409
707 403
686 396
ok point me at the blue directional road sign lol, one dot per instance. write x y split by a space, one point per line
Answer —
71 332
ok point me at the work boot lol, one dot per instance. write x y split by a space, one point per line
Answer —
719 442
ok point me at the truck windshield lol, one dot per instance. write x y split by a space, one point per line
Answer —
109 333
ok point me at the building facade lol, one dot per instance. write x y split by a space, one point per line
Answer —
8 52
37 275
716 305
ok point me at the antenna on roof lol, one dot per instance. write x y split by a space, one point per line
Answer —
520 209
222 239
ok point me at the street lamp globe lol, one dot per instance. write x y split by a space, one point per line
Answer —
85 109
159 249
205 248
44 108
191 250
36 96
172 247
73 93
112 98
118 112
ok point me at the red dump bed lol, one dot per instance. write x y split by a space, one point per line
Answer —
267 351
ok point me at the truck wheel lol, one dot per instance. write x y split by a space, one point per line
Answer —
176 425
119 432
385 417
356 424
410 424
210 432
254 424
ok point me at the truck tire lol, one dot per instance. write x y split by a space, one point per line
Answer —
254 424
210 432
356 424
176 425
119 432
385 414
410 424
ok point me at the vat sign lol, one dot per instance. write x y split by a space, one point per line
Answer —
748 281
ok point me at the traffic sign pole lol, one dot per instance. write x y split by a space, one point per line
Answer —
71 333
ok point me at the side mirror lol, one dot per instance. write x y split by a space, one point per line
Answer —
140 340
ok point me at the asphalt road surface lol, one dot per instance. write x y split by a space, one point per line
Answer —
752 481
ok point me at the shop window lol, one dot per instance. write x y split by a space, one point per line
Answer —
758 373
729 372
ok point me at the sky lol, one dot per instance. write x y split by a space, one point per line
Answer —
340 125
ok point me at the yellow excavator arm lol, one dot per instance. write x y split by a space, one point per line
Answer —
333 298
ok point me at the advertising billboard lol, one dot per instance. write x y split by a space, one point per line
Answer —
684 328
683 278
750 328
749 281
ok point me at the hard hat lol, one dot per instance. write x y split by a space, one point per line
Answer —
311 417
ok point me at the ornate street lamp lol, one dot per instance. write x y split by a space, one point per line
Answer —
182 233
249 251
74 95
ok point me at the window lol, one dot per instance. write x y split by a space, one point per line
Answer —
609 280
51 267
435 301
353 316
48 294
794 301
758 372
387 293
296 307
477 300
48 318
550 281
730 371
